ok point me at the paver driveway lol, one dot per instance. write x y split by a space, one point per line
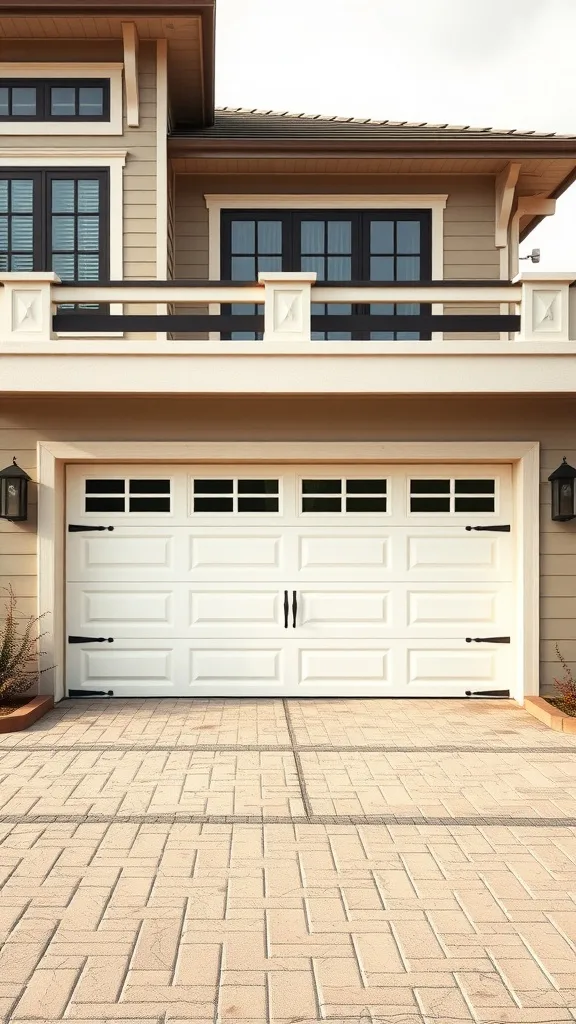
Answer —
206 861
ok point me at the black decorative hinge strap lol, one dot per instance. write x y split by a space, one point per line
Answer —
488 693
491 529
90 693
79 528
487 639
90 640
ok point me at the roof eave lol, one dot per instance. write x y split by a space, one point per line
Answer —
555 194
531 149
132 8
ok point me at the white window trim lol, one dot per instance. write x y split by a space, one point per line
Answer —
110 159
112 72
319 201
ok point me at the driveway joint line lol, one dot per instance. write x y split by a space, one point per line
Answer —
312 819
306 802
303 748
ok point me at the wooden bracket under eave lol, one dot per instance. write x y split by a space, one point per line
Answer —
130 40
505 189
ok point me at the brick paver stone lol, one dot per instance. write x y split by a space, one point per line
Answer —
344 861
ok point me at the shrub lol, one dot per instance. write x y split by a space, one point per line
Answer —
566 685
18 650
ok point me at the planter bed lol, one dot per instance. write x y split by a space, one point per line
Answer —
24 713
552 716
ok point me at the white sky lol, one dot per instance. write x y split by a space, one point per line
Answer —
490 63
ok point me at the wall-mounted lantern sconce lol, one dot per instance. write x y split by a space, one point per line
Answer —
14 493
562 480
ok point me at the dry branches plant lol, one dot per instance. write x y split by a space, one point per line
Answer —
566 685
18 650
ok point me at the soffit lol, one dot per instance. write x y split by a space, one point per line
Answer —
548 178
190 45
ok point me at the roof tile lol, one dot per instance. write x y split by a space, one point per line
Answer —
242 123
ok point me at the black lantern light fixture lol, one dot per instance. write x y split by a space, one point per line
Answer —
562 480
14 493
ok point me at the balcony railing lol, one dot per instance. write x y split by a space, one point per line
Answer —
535 307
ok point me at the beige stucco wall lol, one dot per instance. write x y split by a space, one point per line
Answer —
549 420
469 250
140 143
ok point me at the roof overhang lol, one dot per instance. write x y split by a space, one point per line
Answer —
187 25
507 148
548 164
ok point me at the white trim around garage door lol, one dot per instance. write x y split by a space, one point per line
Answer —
53 456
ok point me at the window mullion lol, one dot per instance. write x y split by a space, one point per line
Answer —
75 243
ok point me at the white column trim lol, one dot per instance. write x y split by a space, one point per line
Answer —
161 172
54 455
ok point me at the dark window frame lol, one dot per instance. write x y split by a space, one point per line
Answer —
43 99
360 219
42 227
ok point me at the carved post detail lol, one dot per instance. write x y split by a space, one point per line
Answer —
26 306
545 307
287 305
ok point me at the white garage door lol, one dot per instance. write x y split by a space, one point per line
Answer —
314 580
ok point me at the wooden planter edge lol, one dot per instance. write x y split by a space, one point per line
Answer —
26 715
549 715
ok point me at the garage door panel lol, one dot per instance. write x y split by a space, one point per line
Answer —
293 667
225 608
236 665
398 553
457 610
237 554
195 603
456 554
128 553
343 608
128 669
433 665
180 610
204 610
344 554
349 665
124 609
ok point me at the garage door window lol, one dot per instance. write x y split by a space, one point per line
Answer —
452 496
343 496
236 495
121 495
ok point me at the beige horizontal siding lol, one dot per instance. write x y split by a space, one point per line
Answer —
551 421
469 250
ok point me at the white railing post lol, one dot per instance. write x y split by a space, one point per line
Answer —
287 305
26 306
545 306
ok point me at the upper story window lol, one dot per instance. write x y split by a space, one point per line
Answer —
54 99
340 246
55 220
